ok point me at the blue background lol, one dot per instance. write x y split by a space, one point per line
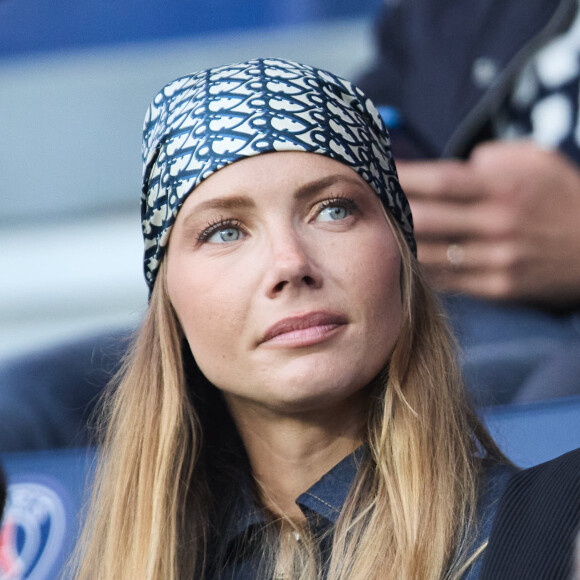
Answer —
28 26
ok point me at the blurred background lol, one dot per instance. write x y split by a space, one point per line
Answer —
75 80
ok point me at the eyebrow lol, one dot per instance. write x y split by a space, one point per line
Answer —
246 202
313 187
230 202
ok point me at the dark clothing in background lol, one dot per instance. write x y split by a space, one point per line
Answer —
47 396
448 65
536 524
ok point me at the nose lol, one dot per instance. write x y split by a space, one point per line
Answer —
292 265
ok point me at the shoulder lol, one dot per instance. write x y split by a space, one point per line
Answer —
537 518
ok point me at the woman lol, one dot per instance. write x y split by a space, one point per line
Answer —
292 406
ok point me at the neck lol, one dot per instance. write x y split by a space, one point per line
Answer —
290 452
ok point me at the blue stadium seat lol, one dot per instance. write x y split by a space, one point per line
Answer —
535 432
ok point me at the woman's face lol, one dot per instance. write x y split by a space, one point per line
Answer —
284 274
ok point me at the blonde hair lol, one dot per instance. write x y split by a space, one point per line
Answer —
411 513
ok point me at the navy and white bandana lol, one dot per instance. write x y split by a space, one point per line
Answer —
202 122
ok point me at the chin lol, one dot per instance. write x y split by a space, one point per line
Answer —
309 396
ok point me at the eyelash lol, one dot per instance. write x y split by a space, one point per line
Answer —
215 226
339 200
221 223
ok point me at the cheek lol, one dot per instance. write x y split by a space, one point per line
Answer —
379 293
210 310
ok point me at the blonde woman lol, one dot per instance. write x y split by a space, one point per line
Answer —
292 406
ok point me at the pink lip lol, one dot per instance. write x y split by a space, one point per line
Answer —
303 330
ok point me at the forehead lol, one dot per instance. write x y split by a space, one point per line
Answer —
277 172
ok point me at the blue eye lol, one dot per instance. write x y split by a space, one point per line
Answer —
222 231
224 235
333 213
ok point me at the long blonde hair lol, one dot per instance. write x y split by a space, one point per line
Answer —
410 515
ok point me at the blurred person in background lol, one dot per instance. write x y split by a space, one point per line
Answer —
486 97
292 405
48 396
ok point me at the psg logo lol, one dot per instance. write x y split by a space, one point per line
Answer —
33 532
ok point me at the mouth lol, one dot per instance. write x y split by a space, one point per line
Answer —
303 330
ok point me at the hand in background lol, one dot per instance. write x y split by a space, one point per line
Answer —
505 224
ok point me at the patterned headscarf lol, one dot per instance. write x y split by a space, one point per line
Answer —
202 122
